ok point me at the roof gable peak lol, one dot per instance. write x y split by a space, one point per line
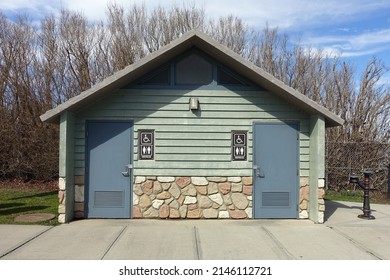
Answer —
217 51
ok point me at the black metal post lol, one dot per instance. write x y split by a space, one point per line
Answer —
388 182
366 202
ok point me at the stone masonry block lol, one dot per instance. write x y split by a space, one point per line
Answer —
304 181
135 199
151 213
321 183
201 189
144 202
248 212
136 212
174 214
212 188
190 200
247 180
139 179
61 197
237 214
194 214
236 187
157 203
304 193
224 187
303 214
183 211
61 209
166 179
147 187
247 189
239 200
164 211
199 181
163 195
79 206
217 179
189 190
174 190
210 213
62 183
217 198
79 193
321 193
183 181
79 180
234 179
61 218
223 215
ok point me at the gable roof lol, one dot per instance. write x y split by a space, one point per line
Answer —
214 49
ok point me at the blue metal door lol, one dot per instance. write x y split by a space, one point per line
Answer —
108 169
275 170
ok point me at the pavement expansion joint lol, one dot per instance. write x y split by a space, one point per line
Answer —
356 243
197 244
115 240
25 242
285 253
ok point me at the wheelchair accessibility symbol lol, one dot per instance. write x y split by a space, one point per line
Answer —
239 139
146 138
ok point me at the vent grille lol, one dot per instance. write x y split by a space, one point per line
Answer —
109 199
275 199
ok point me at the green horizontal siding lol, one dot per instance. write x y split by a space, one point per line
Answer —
192 143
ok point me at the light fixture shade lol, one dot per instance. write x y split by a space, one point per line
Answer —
194 103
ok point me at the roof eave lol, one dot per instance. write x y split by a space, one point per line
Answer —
213 48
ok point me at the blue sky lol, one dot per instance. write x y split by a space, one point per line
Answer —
355 29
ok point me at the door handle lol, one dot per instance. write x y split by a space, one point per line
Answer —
258 172
128 170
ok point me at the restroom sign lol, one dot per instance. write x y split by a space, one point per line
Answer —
146 144
239 145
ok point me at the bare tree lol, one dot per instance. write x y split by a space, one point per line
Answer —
165 25
40 67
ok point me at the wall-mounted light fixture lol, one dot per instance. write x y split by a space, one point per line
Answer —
194 103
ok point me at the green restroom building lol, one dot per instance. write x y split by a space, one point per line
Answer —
192 131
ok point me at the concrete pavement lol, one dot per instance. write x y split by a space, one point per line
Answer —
343 236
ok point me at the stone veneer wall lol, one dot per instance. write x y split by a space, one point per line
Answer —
191 198
61 200
321 201
304 197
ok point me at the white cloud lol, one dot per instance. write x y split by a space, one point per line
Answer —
32 5
282 13
296 16
368 43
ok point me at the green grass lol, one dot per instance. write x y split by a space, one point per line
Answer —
353 196
15 202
